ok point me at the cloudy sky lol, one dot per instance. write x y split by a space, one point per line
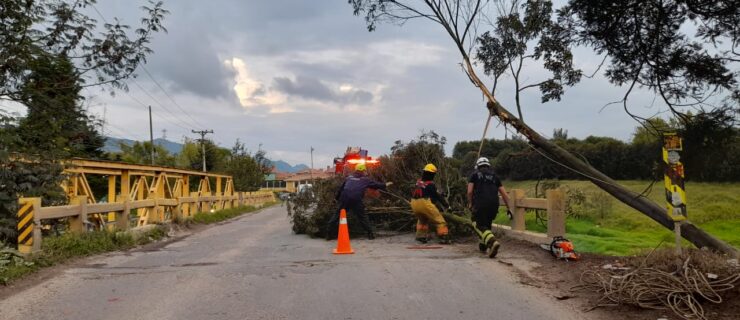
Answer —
292 74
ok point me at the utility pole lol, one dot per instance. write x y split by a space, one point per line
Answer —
105 119
151 133
312 181
202 134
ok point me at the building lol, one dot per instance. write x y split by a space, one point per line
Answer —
289 182
305 177
275 181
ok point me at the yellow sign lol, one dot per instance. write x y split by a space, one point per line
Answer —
25 226
674 177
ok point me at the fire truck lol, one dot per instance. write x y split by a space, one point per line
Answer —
352 157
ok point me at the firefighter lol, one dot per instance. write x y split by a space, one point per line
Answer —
423 200
350 196
483 190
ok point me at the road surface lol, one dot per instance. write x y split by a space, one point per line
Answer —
254 267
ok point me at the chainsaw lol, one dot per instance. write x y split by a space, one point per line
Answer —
561 248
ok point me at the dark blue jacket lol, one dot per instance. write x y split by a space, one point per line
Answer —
353 188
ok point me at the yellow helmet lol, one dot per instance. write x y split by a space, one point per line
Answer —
430 168
360 167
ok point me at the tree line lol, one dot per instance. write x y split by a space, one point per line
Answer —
248 169
711 142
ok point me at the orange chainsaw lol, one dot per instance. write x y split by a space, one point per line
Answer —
561 248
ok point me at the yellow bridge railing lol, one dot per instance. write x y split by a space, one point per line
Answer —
156 194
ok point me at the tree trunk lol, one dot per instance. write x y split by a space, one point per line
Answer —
642 204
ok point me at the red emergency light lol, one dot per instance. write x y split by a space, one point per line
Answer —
352 157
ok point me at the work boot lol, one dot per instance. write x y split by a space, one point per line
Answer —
422 240
482 247
493 249
371 236
445 239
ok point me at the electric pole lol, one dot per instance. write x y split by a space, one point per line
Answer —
312 166
151 133
202 134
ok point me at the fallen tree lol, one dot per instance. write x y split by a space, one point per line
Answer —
309 211
461 20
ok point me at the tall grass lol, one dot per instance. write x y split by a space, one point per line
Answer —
221 215
616 229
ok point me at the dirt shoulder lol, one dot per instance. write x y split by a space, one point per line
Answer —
537 268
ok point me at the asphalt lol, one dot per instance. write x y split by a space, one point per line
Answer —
254 267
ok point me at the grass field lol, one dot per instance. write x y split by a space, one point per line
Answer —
605 225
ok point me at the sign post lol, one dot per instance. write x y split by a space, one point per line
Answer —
674 183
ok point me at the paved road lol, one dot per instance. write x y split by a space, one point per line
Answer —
255 268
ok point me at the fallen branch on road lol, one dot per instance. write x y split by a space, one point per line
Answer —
655 282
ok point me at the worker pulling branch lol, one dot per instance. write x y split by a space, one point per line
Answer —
350 196
424 199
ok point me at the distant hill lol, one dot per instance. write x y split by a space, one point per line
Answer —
283 166
113 144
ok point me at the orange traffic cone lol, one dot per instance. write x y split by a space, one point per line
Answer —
343 246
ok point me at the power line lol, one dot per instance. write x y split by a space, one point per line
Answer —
565 165
197 124
124 131
163 106
156 113
170 97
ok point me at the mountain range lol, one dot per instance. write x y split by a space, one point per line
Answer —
113 145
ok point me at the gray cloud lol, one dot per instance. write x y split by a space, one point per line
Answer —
312 88
268 35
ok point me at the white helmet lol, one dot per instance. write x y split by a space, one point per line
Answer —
482 161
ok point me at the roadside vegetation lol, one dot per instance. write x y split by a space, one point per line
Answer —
226 214
59 249
597 223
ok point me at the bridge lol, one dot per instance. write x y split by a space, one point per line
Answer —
154 194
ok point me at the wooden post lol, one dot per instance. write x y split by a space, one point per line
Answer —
555 213
77 223
516 196
111 199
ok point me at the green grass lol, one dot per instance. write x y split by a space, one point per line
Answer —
621 230
221 215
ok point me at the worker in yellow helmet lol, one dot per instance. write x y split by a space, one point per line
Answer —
350 196
423 200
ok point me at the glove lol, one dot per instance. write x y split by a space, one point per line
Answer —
389 183
509 214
